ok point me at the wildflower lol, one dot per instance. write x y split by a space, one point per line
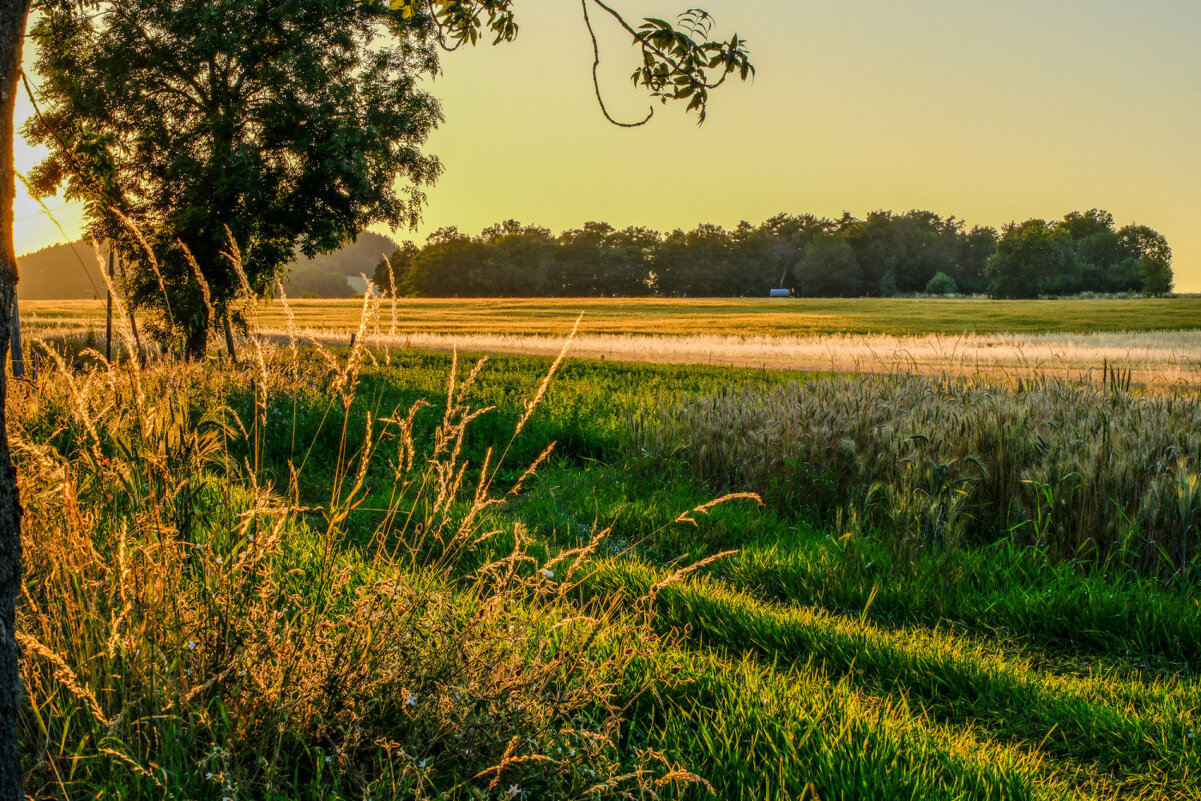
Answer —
208 776
410 700
191 645
327 758
548 573
220 561
514 790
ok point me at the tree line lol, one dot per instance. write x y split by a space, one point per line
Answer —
882 255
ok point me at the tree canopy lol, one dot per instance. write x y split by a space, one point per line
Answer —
263 128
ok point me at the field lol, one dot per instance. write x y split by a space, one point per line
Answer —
360 572
715 317
1157 342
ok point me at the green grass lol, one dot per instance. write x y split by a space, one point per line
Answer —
808 664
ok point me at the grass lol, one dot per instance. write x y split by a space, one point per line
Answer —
332 578
1108 476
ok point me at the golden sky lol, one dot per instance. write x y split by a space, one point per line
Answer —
988 111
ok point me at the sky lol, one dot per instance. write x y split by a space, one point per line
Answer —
988 111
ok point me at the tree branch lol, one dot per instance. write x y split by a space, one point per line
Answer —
596 75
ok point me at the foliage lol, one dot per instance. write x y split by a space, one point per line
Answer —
941 284
290 126
881 255
1031 258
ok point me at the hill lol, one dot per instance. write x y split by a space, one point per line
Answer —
326 275
60 272
72 271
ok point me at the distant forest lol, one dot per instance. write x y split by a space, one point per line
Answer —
884 254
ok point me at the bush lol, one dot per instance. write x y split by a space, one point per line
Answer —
941 284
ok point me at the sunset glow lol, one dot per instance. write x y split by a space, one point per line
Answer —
990 112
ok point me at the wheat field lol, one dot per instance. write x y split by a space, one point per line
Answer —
1157 342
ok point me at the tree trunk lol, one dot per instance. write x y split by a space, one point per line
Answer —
13 14
196 340
17 348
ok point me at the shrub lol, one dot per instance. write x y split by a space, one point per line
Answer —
941 284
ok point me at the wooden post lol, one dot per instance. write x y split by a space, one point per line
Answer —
18 354
108 321
133 327
229 338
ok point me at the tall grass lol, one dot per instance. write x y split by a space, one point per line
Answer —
194 628
1100 475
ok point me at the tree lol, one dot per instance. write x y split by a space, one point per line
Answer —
518 261
1030 257
871 241
1156 275
1081 225
287 125
941 284
975 249
279 125
829 268
13 14
677 64
390 273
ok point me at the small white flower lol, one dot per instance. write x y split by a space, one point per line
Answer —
548 573
208 776
422 763
191 645
514 790
327 758
410 700
220 561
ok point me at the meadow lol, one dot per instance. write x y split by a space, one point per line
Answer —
365 573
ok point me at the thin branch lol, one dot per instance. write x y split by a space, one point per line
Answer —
596 73
638 37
